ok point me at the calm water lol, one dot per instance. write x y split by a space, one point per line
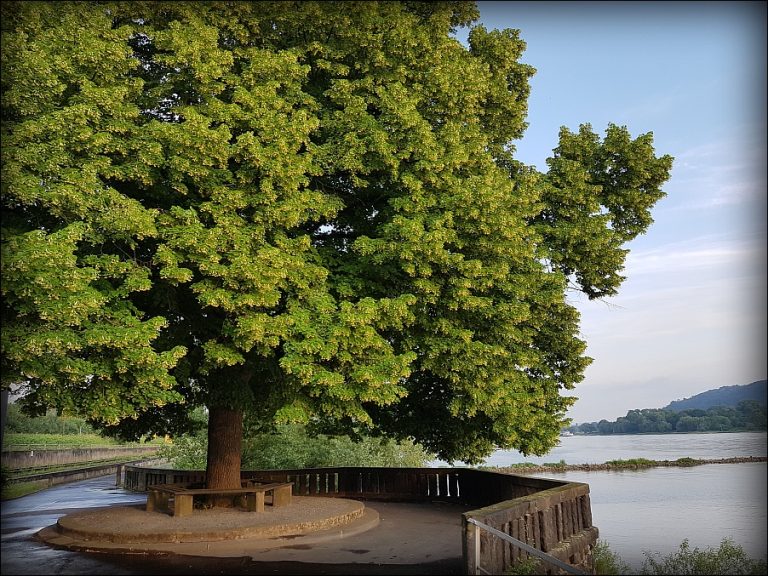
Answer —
599 449
657 509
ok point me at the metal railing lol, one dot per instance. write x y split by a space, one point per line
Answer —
515 542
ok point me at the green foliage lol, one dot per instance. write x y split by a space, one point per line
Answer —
292 447
522 567
728 558
748 415
723 396
19 423
606 562
632 463
54 440
520 466
19 489
187 452
307 211
687 461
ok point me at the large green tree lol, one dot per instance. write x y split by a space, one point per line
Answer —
298 211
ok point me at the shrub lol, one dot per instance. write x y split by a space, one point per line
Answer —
632 463
291 447
607 562
688 462
524 567
728 559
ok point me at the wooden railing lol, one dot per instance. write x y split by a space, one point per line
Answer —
549 515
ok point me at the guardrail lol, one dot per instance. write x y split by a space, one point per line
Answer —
518 544
551 516
556 521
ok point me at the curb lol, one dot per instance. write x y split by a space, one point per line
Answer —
209 543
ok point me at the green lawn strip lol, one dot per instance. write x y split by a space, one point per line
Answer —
14 474
17 490
21 442
14 484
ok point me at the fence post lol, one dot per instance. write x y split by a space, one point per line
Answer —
476 562
471 546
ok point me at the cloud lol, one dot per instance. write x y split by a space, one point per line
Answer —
727 172
730 255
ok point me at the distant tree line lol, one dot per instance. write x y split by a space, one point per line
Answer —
747 415
19 423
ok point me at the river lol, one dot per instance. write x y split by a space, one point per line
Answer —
656 509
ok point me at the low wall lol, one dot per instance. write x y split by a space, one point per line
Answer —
550 515
85 473
34 458
557 521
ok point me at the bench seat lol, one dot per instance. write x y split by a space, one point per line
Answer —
160 494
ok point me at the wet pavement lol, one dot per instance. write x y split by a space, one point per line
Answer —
410 539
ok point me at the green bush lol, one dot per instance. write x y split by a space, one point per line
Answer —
51 423
688 462
53 440
524 567
291 447
607 562
188 452
632 463
519 466
728 559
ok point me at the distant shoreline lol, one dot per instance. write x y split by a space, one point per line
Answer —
632 464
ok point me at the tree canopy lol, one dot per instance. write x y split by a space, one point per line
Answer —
301 211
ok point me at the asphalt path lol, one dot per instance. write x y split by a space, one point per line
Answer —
23 553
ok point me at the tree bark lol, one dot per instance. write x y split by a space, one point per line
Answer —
225 437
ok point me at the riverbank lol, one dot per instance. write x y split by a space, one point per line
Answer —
633 464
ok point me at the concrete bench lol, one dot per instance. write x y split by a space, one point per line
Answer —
159 496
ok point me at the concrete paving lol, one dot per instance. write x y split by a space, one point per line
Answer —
404 539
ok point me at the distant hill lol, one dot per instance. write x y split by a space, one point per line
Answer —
725 396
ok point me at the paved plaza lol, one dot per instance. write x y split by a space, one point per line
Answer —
390 538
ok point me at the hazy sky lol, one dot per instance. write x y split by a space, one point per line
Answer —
691 315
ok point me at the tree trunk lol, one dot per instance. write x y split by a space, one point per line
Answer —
225 436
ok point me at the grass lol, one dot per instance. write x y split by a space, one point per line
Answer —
688 462
606 562
14 485
632 463
521 466
16 441
32 441
19 489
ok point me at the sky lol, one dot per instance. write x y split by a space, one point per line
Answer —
691 315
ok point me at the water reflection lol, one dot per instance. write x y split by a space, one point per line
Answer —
656 509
